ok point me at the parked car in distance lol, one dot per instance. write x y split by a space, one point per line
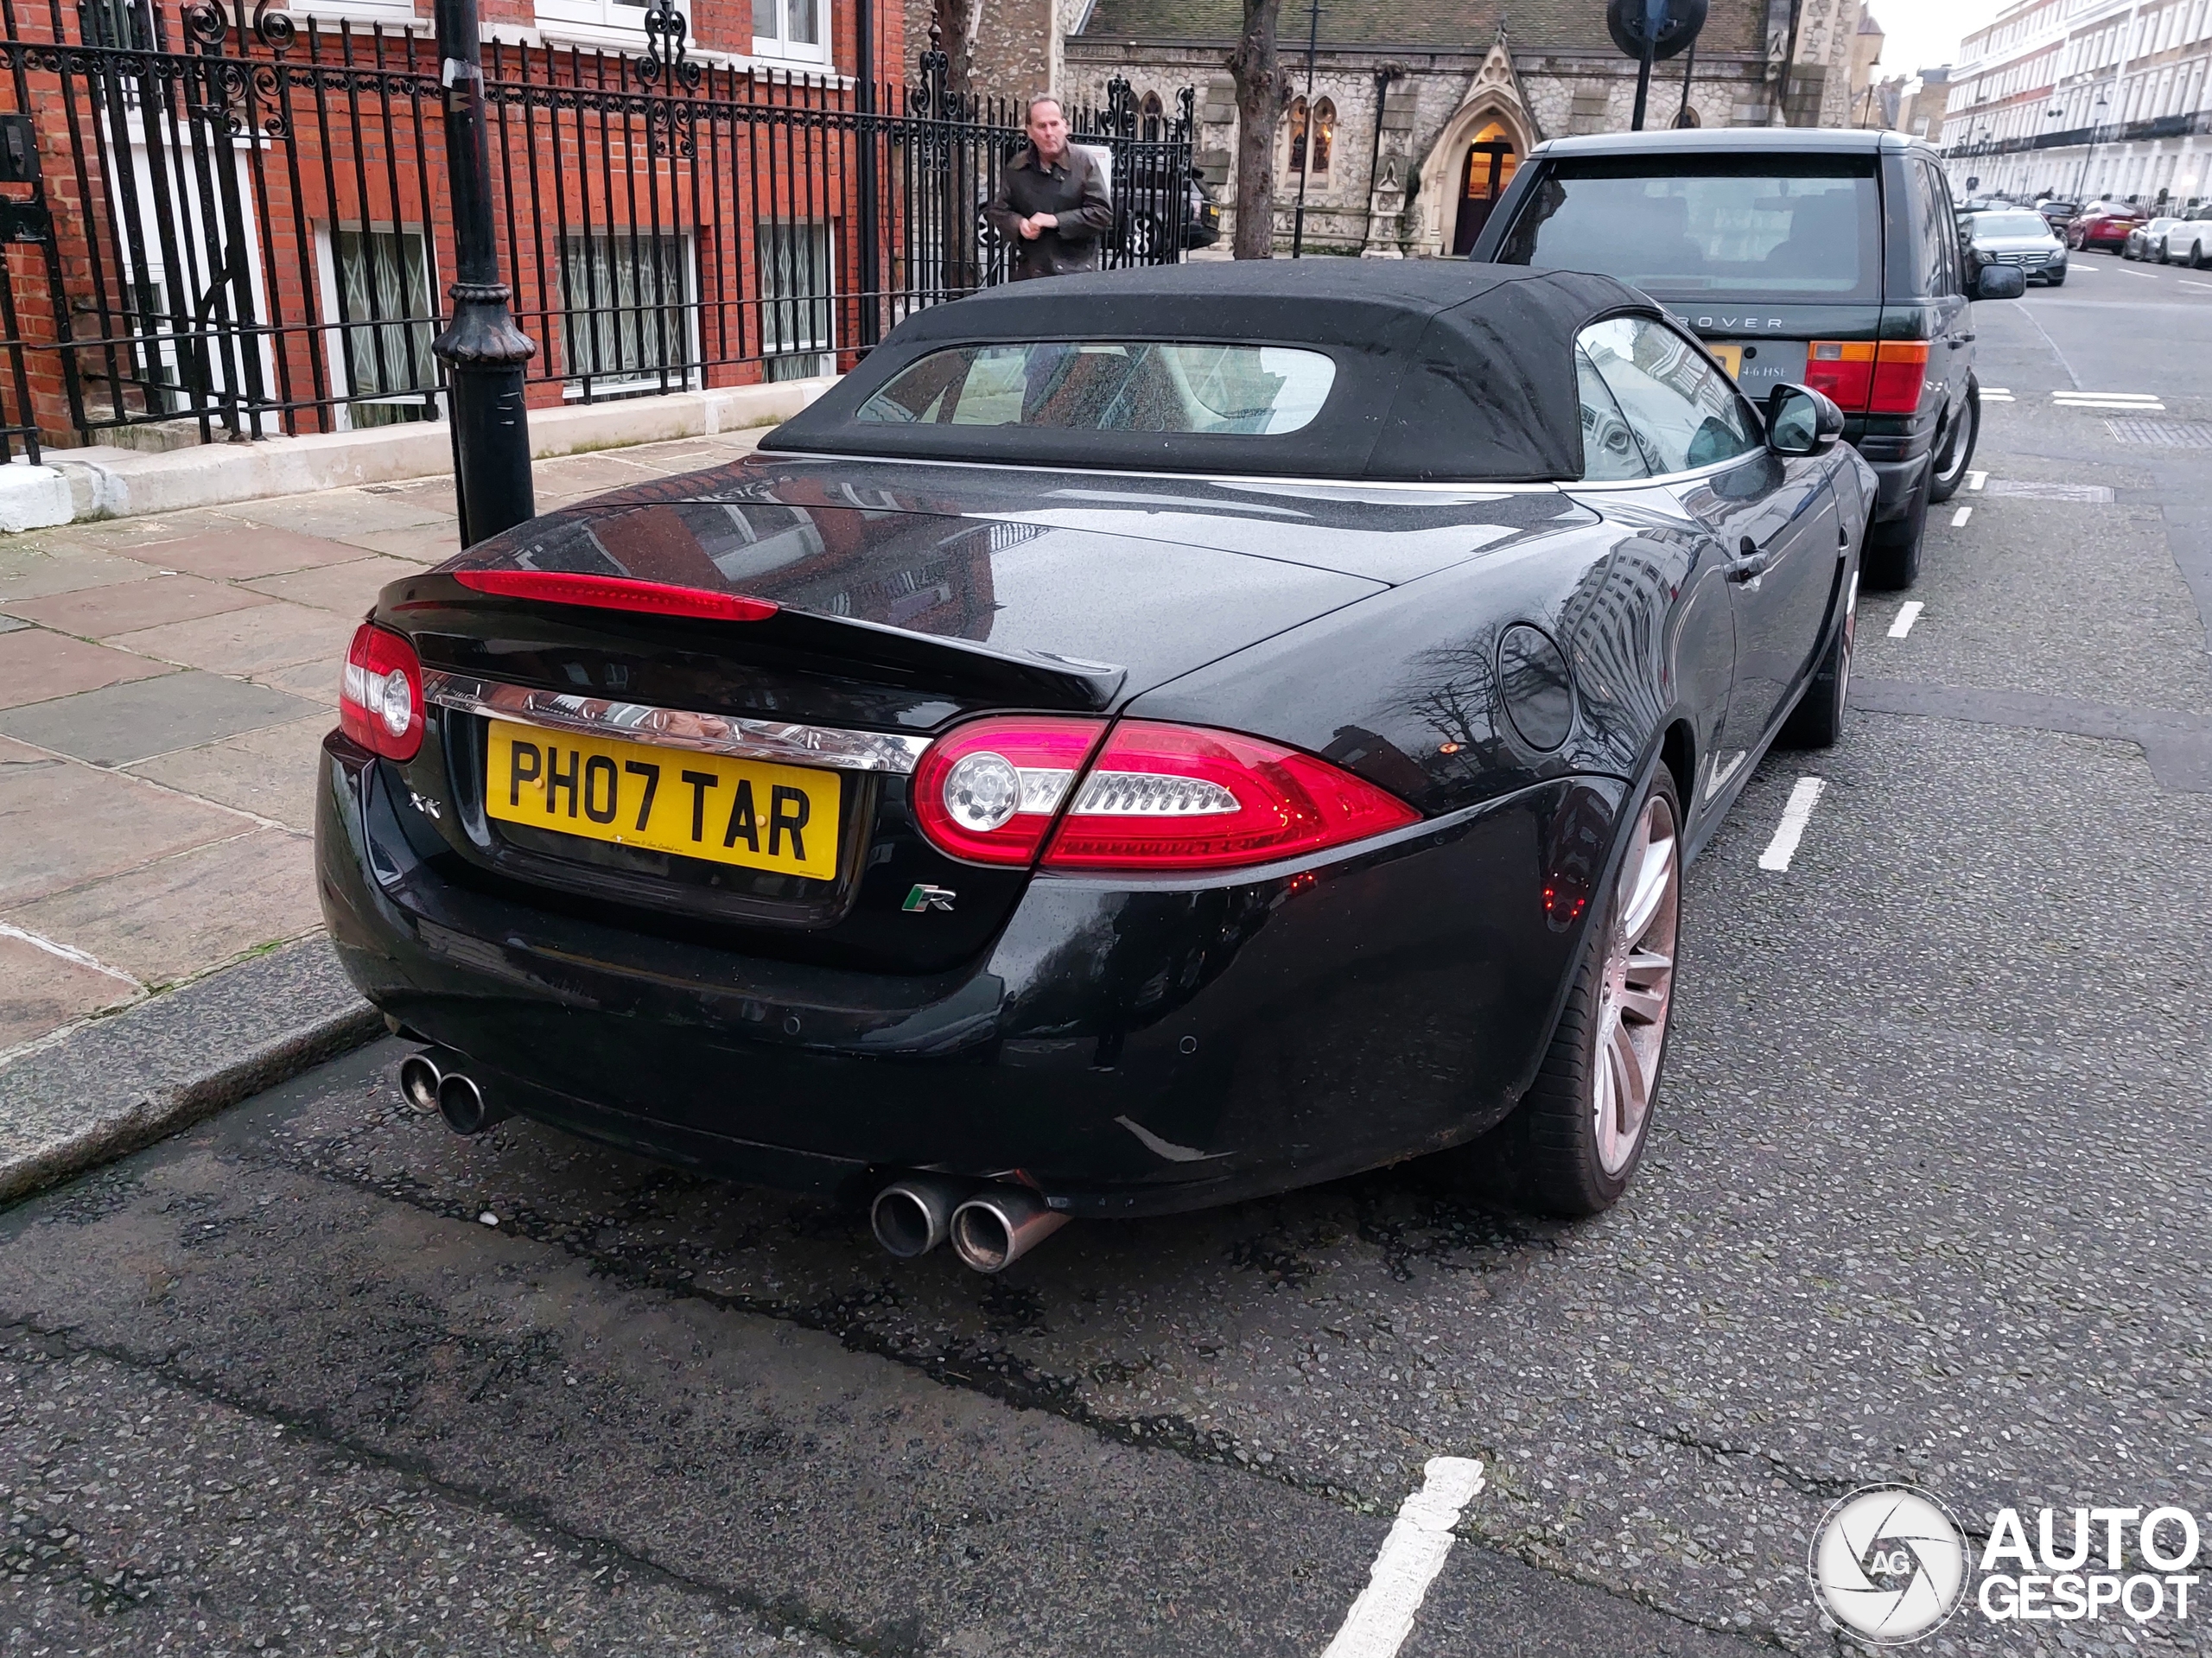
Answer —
2102 224
1822 256
1139 742
2058 213
2190 241
2148 240
2014 236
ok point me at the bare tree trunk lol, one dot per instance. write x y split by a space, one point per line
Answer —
1259 101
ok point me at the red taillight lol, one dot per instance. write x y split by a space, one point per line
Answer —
380 694
1157 797
1168 798
1867 378
1900 367
1843 369
987 791
617 593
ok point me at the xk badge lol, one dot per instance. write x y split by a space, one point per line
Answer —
925 897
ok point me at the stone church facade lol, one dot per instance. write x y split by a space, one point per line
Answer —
1415 117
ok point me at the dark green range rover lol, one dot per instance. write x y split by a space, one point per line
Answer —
1816 256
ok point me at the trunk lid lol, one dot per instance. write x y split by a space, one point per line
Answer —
897 617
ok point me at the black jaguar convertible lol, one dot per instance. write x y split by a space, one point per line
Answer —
1138 741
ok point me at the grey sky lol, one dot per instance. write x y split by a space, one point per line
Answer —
1921 33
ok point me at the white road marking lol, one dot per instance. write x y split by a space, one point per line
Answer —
2141 403
2185 282
1959 519
1976 479
1791 829
2146 274
2030 489
66 952
1989 396
1412 1555
1908 613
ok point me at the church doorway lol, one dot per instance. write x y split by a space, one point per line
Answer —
1489 169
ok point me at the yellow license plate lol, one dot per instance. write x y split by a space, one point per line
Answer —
750 812
1732 357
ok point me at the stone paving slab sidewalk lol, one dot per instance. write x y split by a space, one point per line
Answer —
164 684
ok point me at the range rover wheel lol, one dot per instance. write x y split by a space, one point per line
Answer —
1956 455
1892 557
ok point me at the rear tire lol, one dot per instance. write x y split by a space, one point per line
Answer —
1949 470
1892 557
1817 720
1578 1138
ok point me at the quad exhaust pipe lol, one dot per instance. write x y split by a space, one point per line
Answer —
989 1228
434 1081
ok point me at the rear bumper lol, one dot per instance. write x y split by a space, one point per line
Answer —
1127 1049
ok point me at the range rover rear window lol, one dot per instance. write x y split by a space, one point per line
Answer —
1772 227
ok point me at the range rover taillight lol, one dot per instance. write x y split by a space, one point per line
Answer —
1869 377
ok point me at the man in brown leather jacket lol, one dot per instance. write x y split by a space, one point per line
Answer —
1051 204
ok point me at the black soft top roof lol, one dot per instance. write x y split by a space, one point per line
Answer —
1446 370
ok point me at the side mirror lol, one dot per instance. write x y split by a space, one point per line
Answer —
1800 420
2001 281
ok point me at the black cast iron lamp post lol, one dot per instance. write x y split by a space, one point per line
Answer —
482 349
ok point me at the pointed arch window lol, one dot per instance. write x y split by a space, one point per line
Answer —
1323 133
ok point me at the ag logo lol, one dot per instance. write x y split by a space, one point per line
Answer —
1889 1564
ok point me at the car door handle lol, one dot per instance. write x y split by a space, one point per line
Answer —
1752 561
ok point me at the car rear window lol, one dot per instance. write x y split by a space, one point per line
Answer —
1767 226
1111 386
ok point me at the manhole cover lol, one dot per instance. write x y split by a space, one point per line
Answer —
2163 434
2028 489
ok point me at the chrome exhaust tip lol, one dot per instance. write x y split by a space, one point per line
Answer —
463 1105
419 1077
911 1218
999 1224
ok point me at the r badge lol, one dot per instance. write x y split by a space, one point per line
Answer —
925 897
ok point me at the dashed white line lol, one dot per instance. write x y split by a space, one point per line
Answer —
1791 829
1908 613
1959 519
1991 394
2185 282
1412 1555
2143 401
1976 479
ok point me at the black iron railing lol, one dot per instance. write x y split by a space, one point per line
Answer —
250 235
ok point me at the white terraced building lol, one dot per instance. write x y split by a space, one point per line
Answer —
2082 99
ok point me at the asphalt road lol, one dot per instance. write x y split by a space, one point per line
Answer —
1929 1202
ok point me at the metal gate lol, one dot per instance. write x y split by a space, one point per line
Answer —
252 233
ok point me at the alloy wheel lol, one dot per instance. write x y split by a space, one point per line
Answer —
1637 991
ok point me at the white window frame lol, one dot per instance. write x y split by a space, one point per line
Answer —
593 23
643 383
334 335
778 311
779 48
387 12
